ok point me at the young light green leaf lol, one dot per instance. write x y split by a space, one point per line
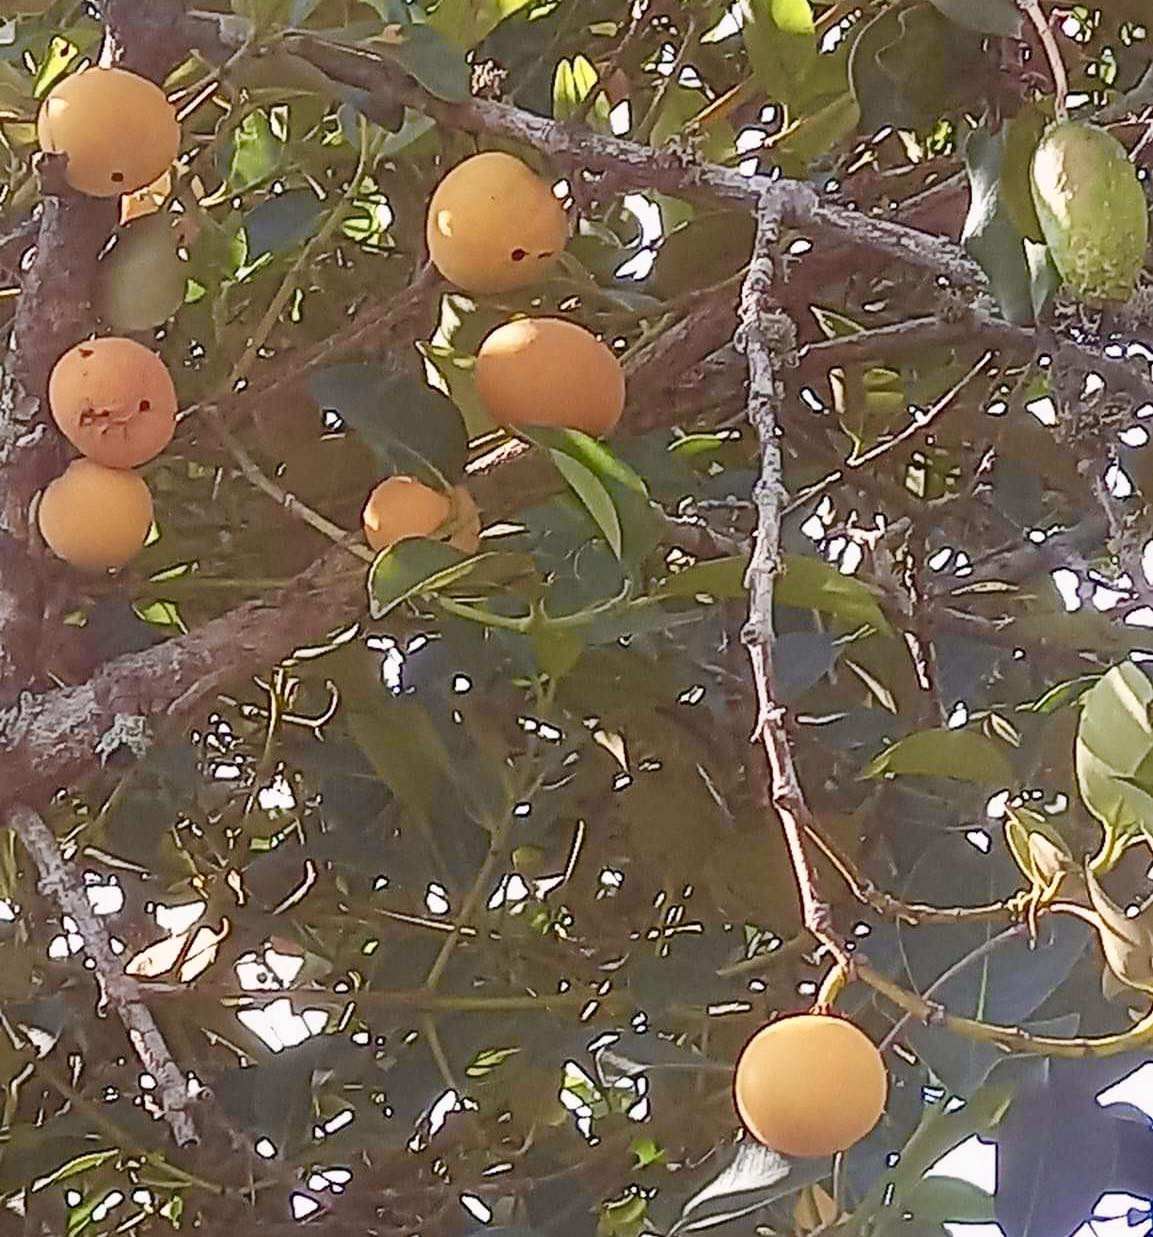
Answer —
781 41
1114 739
466 22
573 81
597 500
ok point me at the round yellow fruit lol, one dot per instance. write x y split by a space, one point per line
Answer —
114 400
95 518
494 225
810 1085
117 129
403 507
548 371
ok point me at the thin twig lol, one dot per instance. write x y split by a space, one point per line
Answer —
1032 10
962 964
60 883
1014 1039
766 334
923 422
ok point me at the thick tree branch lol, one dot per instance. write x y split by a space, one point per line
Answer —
634 165
767 335
51 740
60 883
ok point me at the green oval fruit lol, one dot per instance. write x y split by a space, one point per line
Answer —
141 280
1092 210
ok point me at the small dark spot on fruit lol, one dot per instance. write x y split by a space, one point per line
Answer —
519 255
117 178
145 405
85 352
546 254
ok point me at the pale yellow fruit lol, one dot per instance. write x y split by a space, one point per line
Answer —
114 400
403 507
140 282
494 225
810 1085
95 518
116 128
548 371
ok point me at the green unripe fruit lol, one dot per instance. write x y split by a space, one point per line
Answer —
141 281
1092 210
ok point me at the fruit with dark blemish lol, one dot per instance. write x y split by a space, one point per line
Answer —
116 128
114 400
494 224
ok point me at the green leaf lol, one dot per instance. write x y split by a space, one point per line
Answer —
719 578
404 749
281 222
812 584
815 135
557 648
410 427
806 582
781 42
1001 17
437 64
595 455
468 21
989 235
416 567
573 81
256 152
597 500
1114 739
908 66
948 1200
961 754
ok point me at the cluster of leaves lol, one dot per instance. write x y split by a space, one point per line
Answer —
507 842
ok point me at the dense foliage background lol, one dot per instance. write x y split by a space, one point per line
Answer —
460 916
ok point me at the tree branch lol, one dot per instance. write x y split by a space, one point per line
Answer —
767 335
62 884
634 165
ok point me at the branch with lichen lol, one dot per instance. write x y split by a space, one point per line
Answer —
61 883
767 336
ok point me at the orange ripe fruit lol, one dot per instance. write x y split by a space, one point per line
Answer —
403 507
494 225
810 1085
117 129
95 518
114 400
549 371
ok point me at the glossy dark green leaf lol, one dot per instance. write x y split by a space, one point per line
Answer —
908 65
282 222
434 61
410 427
415 567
